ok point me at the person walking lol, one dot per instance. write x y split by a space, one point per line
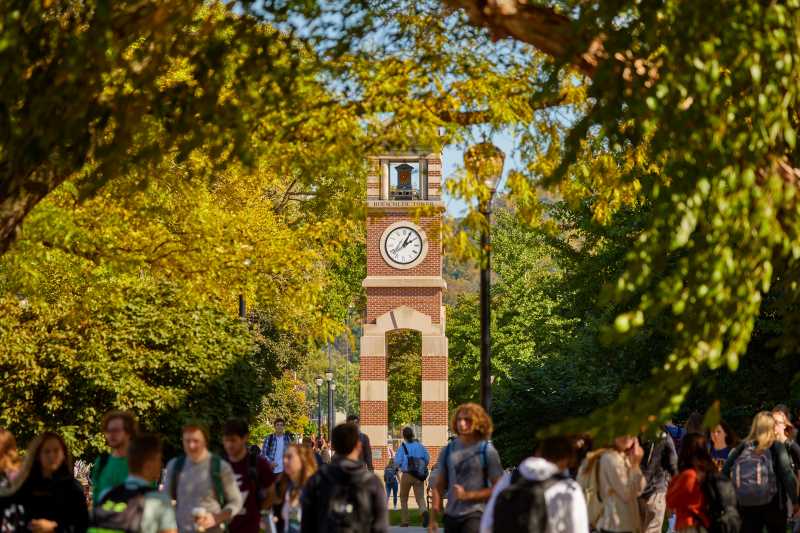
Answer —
324 450
202 485
275 445
344 496
111 469
412 460
660 465
766 487
253 474
621 482
685 495
562 500
390 474
723 440
468 468
9 458
12 515
52 499
139 488
366 447
299 464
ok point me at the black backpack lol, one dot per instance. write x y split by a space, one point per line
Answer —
416 466
120 509
721 504
349 507
521 506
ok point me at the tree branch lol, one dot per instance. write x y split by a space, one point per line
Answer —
549 31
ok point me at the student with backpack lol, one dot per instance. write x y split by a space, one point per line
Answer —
253 473
762 474
136 505
202 484
688 496
111 469
539 496
343 496
390 482
468 469
275 445
412 459
660 465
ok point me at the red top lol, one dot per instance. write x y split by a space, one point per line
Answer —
686 498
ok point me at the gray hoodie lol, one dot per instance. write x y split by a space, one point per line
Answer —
566 506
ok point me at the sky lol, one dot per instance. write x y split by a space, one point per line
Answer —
453 159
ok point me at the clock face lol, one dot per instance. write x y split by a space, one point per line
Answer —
403 245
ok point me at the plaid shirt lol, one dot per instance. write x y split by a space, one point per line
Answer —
271 445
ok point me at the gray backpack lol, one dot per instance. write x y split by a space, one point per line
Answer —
753 477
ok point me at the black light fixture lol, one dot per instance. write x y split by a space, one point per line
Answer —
485 162
318 381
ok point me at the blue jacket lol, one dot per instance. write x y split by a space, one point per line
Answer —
415 449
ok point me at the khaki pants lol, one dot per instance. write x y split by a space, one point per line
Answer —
407 481
652 510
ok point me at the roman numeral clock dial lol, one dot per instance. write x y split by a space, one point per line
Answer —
404 246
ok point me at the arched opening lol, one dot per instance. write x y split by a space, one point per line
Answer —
404 376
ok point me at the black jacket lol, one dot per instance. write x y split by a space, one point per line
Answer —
319 489
366 451
60 499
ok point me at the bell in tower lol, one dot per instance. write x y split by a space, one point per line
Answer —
404 176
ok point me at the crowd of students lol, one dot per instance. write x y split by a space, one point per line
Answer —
699 480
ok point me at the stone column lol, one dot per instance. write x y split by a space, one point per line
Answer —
434 394
374 395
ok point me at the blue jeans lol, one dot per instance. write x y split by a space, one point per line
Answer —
391 488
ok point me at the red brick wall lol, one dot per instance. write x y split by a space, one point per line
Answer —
434 367
373 413
434 413
430 266
426 300
372 367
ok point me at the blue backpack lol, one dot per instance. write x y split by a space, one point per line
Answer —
481 452
753 476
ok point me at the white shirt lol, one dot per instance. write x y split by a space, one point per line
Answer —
278 454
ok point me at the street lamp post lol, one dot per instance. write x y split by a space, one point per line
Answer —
331 386
318 383
332 403
485 162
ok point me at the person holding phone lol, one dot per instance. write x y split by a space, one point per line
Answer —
621 482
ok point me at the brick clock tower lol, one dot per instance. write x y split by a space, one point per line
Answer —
404 287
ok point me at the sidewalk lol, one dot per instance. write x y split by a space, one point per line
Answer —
398 529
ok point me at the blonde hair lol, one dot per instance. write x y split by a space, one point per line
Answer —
9 458
762 432
481 423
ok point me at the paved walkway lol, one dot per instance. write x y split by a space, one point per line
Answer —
398 529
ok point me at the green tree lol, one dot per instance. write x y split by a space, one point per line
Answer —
404 373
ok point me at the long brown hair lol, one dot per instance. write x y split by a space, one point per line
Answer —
694 454
307 469
33 468
9 458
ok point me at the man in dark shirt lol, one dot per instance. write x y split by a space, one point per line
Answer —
344 495
366 449
253 474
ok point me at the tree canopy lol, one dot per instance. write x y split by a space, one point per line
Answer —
678 118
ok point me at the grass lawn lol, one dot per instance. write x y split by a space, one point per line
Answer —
414 518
